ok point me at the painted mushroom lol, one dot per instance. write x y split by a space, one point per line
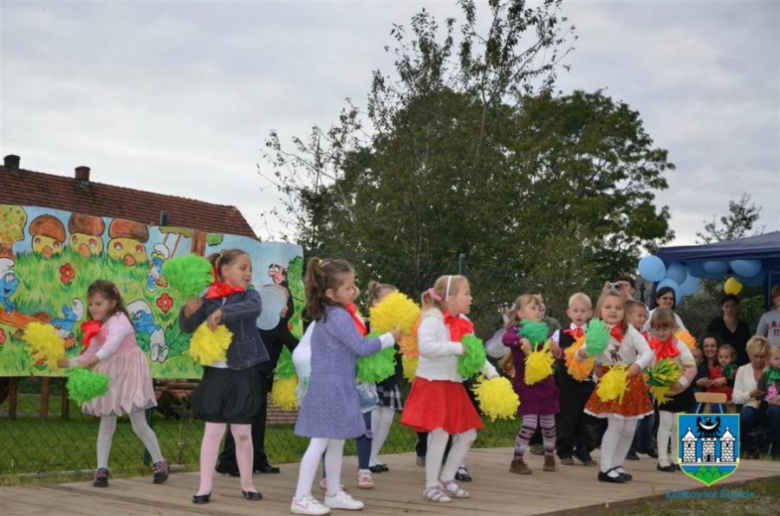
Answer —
48 235
85 234
127 241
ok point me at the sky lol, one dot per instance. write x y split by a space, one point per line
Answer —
178 97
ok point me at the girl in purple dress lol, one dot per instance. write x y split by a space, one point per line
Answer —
330 411
538 402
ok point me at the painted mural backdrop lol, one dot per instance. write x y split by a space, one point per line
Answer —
49 257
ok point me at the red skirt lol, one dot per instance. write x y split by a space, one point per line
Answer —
635 404
442 404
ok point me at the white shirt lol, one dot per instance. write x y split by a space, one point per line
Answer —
744 382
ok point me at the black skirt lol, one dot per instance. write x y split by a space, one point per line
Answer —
682 402
228 396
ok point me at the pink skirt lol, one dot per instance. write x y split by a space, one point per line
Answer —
130 389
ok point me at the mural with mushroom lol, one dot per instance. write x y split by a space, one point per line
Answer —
49 257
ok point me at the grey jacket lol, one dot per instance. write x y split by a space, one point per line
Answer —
239 313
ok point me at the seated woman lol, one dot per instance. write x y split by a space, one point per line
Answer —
746 393
730 328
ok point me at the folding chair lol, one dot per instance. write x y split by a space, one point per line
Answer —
715 399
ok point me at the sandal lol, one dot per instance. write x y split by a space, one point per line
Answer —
454 489
436 494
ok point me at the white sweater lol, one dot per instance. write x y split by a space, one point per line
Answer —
744 382
634 349
438 353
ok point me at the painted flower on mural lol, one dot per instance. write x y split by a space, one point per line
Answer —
165 302
67 273
3 337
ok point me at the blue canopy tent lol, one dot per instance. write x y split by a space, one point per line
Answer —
765 248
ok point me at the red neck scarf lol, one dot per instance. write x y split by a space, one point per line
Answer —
665 349
576 333
616 333
359 324
458 326
89 329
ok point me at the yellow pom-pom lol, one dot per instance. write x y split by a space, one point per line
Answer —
496 398
285 393
613 385
660 394
207 347
538 365
578 370
394 311
410 366
686 337
44 343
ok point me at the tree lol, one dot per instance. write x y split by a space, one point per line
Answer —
739 223
475 154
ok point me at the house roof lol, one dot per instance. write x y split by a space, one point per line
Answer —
29 188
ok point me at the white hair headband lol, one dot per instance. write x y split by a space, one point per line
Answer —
447 292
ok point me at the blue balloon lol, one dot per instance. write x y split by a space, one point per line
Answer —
715 267
746 268
652 268
677 272
668 282
690 285
696 269
756 281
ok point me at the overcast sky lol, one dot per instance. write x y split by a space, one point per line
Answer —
177 97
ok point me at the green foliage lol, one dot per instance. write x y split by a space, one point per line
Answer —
284 367
214 238
743 215
295 275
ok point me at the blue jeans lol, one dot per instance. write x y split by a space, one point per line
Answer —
643 438
748 417
773 423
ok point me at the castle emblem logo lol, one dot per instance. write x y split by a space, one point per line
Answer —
708 445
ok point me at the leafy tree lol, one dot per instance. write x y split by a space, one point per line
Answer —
466 149
742 217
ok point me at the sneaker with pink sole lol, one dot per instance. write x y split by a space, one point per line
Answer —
364 479
342 500
307 504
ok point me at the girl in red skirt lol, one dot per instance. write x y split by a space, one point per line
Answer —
438 402
626 346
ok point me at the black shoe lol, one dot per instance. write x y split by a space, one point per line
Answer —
161 471
378 468
668 468
625 475
603 477
463 475
267 468
201 499
225 471
252 495
650 452
631 455
566 461
101 478
584 457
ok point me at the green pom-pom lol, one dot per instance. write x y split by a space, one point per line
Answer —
475 357
596 338
665 373
85 385
536 332
189 274
377 367
284 367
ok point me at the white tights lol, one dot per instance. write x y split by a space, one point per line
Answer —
311 462
437 442
616 443
667 429
381 421
209 451
140 428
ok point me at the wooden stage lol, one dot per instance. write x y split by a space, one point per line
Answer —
571 490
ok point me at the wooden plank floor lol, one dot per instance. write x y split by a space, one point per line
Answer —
571 490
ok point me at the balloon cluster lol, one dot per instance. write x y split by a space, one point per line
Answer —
684 279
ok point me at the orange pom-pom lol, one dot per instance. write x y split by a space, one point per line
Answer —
579 370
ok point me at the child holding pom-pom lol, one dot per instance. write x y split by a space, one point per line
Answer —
539 401
113 351
330 411
622 347
438 402
666 346
229 392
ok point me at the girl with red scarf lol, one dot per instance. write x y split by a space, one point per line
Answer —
438 402
666 346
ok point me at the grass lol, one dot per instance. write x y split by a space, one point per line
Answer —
33 446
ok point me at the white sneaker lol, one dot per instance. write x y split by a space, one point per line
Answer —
324 484
308 505
364 479
342 500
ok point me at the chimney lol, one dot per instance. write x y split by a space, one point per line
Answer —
11 162
82 175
